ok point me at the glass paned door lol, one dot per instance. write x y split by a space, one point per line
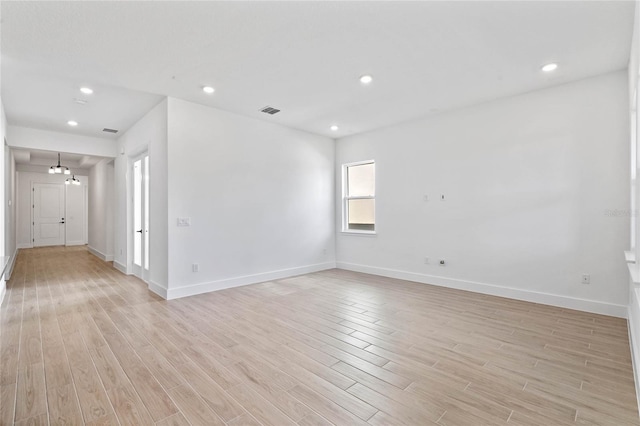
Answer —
140 218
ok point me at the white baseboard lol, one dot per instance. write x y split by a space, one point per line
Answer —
158 289
74 243
100 255
3 290
190 290
9 269
120 267
586 305
25 245
633 321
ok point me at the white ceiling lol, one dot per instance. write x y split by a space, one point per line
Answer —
304 58
47 159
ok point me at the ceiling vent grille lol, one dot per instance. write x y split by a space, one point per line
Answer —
270 110
109 130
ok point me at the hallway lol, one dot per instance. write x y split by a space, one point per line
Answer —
82 343
52 298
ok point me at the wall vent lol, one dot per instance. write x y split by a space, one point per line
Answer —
109 130
270 110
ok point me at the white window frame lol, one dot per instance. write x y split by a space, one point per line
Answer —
346 198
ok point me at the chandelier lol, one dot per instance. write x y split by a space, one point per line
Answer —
59 169
72 180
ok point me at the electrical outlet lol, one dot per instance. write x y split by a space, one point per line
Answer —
425 197
586 279
195 267
442 197
184 221
426 260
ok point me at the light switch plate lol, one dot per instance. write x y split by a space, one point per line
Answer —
184 221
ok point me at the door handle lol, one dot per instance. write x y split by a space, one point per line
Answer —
140 231
61 221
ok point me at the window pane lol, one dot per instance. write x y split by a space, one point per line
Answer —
137 212
361 214
361 180
145 226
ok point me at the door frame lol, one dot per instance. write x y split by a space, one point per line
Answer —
138 271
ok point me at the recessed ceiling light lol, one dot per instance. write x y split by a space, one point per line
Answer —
366 79
208 89
72 123
334 128
549 67
86 90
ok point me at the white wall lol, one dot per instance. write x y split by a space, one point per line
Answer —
150 134
634 288
3 177
111 209
76 216
259 195
74 195
102 209
10 208
534 187
25 137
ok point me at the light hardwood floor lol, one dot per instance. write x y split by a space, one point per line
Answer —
82 343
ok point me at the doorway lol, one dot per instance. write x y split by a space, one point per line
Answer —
48 214
141 216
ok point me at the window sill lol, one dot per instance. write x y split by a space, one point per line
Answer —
360 233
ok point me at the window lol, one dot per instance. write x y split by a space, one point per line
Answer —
359 203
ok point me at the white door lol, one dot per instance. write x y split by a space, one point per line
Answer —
48 214
75 214
141 217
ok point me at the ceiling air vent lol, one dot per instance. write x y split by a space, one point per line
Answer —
270 110
109 130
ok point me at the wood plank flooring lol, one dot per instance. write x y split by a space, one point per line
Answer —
80 343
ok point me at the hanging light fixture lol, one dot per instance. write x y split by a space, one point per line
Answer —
59 169
72 180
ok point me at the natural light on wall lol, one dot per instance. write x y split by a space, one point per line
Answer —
359 199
